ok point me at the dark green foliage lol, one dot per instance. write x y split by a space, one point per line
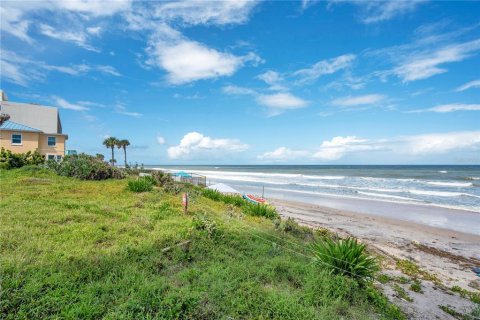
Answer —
86 167
473 296
209 226
416 286
235 200
162 178
384 278
346 257
10 160
401 293
142 184
390 310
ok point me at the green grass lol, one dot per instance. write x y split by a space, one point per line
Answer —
73 249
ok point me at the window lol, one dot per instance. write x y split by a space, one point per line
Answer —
52 141
51 157
59 158
17 139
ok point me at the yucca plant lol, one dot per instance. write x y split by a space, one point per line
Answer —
345 257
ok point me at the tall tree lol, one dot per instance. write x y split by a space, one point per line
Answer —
124 144
111 142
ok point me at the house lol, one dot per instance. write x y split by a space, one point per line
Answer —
31 127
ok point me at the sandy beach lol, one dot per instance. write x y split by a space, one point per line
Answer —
447 254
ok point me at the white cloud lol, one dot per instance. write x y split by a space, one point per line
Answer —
196 145
238 90
368 99
340 146
280 102
94 7
108 70
469 85
161 140
64 104
324 67
277 103
77 37
425 64
439 143
94 30
452 107
22 71
273 79
188 61
283 154
15 19
121 109
412 146
385 10
206 12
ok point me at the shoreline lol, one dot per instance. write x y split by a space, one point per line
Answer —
447 254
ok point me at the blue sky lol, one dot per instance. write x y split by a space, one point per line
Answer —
244 82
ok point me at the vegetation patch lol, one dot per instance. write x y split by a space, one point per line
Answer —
10 160
455 314
93 253
411 269
85 167
292 227
401 293
416 286
141 184
473 296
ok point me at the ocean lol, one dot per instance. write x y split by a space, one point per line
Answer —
456 187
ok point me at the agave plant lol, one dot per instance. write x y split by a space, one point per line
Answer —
345 257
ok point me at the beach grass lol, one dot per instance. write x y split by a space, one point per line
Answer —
93 249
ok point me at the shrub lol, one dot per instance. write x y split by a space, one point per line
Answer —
346 257
260 210
86 167
203 223
10 160
162 178
140 185
291 226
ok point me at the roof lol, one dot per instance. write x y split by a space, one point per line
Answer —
223 188
10 125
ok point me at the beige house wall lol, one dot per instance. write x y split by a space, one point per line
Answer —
44 148
29 141
32 141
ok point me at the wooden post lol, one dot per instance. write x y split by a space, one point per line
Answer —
263 192
185 203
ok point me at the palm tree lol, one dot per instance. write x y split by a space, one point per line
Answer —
111 142
123 144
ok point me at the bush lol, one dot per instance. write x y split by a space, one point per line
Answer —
142 184
162 178
10 160
346 257
203 223
291 226
86 167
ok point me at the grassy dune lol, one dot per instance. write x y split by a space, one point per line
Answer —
92 249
